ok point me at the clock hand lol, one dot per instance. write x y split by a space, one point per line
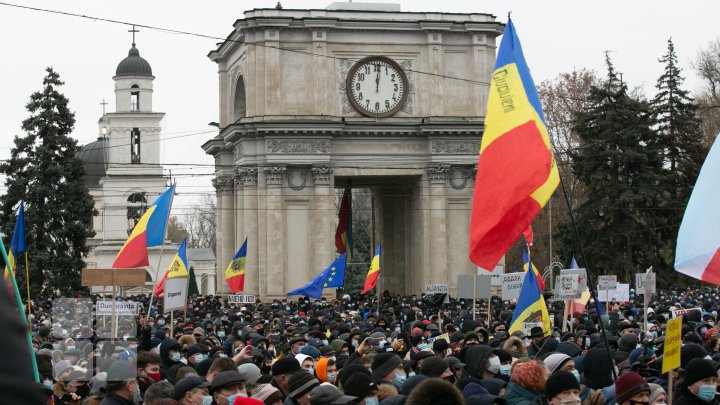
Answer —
377 83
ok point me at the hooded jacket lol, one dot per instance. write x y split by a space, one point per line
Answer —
475 358
517 395
597 368
165 362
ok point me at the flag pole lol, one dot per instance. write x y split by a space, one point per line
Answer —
22 311
27 282
162 249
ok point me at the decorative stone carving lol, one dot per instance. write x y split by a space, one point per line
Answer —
274 175
297 178
437 173
462 147
248 175
238 152
322 175
289 146
459 176
224 184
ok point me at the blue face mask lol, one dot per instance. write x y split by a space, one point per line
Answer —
372 401
221 334
400 377
175 357
576 374
231 398
422 346
207 400
48 383
707 392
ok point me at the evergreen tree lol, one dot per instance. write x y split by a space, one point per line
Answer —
44 171
681 140
620 167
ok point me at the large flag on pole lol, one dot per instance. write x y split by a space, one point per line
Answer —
530 310
178 268
332 277
235 271
698 243
527 264
516 169
17 244
149 231
343 233
373 273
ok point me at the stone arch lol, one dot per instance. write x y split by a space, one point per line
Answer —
239 99
136 207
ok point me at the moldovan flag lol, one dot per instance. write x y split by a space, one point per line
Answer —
149 231
373 273
235 271
698 244
178 268
530 310
516 170
17 244
343 233
526 266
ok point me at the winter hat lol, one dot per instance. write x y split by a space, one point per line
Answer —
529 375
264 392
249 372
359 385
60 367
246 401
691 351
628 342
311 351
560 381
384 363
434 367
556 361
655 392
631 384
286 365
350 370
328 394
697 369
473 389
411 383
440 345
300 383
435 391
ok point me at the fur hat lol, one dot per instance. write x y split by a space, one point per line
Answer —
435 391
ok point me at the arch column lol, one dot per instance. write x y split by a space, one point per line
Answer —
437 176
275 231
227 207
321 220
249 214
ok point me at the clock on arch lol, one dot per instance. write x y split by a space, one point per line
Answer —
377 86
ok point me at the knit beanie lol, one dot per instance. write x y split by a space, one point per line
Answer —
655 392
628 342
529 375
560 381
434 366
384 363
691 351
698 369
630 384
556 361
359 385
286 365
300 383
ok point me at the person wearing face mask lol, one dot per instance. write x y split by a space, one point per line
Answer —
632 389
361 385
148 370
326 370
192 390
435 367
658 396
562 388
121 385
196 354
169 356
699 384
561 362
227 386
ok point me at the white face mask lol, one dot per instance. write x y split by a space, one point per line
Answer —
505 369
494 366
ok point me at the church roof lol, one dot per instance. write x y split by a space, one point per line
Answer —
200 254
94 162
133 65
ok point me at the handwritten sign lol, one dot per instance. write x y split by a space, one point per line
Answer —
566 287
436 289
581 274
511 285
641 279
607 282
621 293
671 355
175 293
677 313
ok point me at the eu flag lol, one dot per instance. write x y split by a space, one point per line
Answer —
332 277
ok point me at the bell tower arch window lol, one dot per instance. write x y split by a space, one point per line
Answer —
136 207
135 145
135 98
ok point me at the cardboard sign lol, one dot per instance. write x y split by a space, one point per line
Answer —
511 285
607 282
641 279
122 308
436 289
677 313
108 277
621 293
567 287
671 355
241 299
175 293
581 274
465 287
443 336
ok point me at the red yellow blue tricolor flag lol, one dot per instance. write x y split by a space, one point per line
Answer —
530 310
343 232
149 231
516 170
373 273
235 271
698 243
178 268
17 244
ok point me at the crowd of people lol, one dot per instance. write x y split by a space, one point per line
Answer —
413 350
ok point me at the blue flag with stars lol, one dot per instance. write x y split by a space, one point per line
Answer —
331 277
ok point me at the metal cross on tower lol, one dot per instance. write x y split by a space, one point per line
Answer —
133 30
103 104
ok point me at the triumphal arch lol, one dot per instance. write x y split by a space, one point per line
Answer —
355 94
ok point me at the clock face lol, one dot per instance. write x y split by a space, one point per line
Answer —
377 86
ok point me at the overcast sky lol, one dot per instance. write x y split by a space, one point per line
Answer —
557 36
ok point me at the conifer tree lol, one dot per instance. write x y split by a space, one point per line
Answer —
44 171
